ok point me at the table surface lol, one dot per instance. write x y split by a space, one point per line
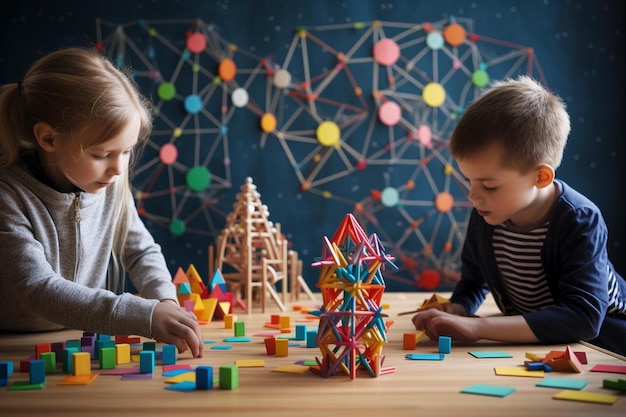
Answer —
416 387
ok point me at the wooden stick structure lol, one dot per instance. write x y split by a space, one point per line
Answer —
253 256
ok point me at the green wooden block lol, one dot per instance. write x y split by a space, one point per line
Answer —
240 328
229 377
151 346
49 362
107 358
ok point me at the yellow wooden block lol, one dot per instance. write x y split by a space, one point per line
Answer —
82 363
520 371
589 397
229 319
122 353
207 313
250 363
282 347
285 322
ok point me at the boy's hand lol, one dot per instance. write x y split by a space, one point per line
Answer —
173 325
437 323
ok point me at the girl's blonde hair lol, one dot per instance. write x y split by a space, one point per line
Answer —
85 98
528 122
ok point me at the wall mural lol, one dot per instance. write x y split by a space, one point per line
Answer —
377 98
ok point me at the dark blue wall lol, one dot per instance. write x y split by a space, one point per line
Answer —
579 45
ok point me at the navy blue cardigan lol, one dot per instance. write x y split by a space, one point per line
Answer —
576 265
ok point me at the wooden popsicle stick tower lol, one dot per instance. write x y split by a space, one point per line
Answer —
252 254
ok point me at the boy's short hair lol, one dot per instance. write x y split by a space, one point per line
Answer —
525 119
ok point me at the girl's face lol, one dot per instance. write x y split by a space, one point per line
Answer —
94 168
501 193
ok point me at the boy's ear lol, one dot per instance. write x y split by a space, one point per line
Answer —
545 176
46 136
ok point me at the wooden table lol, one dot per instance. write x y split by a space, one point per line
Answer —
424 388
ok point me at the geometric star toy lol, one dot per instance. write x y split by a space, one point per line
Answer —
351 332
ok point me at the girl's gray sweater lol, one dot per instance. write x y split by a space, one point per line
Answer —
55 250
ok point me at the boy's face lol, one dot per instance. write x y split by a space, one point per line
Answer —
94 168
501 193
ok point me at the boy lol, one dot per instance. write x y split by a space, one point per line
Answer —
537 244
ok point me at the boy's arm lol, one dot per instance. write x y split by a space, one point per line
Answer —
437 323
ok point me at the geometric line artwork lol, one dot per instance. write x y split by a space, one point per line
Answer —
361 114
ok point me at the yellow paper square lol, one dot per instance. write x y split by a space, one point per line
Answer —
519 371
590 397
186 377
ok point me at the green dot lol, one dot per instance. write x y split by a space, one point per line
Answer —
166 91
177 227
480 78
198 178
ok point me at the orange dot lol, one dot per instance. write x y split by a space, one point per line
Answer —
410 184
428 250
227 69
305 186
444 202
447 246
429 279
454 34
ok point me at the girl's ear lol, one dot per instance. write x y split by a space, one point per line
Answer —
46 136
545 176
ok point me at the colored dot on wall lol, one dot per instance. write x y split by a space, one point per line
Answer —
177 227
386 52
168 154
433 94
390 113
454 34
480 78
390 197
196 43
193 104
281 79
227 70
198 178
444 202
328 134
239 97
434 40
268 123
166 91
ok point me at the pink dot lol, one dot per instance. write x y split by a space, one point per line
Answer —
425 135
386 52
456 64
168 154
390 113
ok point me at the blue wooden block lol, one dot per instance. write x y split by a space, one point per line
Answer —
445 344
204 377
68 363
146 361
169 354
37 372
300 331
311 335
6 369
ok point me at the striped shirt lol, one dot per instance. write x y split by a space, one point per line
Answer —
518 255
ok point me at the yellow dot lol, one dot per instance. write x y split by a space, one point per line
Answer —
327 194
177 132
268 123
328 134
433 94
447 170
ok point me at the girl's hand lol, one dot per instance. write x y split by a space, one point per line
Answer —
173 325
437 323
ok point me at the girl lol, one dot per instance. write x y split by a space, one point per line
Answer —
67 134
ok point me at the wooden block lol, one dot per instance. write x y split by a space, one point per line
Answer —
229 377
282 347
169 355
270 345
82 363
122 353
107 358
37 372
146 361
204 377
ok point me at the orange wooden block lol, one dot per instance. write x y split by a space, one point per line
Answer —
282 347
